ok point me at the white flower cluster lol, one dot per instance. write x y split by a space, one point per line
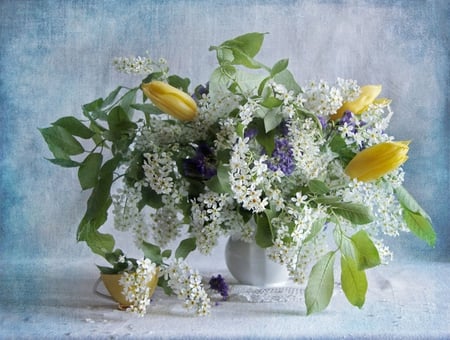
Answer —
186 283
139 65
323 99
246 177
158 168
261 180
384 207
212 214
136 286
307 144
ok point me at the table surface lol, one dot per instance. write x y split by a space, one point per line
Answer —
404 300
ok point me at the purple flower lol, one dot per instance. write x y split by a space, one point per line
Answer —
199 91
323 121
218 283
202 165
250 133
282 157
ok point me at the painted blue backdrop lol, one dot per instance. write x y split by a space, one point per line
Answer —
56 55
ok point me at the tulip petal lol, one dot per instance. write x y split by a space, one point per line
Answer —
378 160
171 100
367 97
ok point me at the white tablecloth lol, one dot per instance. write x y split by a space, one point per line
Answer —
405 300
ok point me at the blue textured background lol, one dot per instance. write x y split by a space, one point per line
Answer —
56 55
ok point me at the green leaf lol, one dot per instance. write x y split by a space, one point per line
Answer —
286 78
99 243
279 66
249 43
272 120
266 139
339 146
152 252
420 226
150 198
241 58
107 270
367 253
354 212
113 257
119 122
316 228
271 102
185 248
221 182
164 284
353 282
66 163
166 253
320 285
93 110
264 234
111 97
89 170
100 199
74 127
408 202
179 83
127 101
153 76
146 108
60 142
318 187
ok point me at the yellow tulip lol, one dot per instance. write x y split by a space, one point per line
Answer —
171 100
367 97
378 160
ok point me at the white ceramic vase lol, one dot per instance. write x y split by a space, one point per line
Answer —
249 264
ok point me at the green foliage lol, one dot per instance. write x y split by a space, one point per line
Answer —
320 285
185 248
89 170
316 186
178 82
152 252
417 220
60 142
337 144
240 50
279 67
353 281
366 253
264 232
354 212
99 243
74 127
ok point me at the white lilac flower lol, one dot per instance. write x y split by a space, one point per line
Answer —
187 284
139 65
135 286
125 207
320 98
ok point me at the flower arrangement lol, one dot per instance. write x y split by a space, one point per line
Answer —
306 171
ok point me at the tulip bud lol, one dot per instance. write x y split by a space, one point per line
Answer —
170 100
367 97
378 160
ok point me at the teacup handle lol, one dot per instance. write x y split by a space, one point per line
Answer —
96 292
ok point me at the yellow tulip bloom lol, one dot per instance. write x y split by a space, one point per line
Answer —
378 160
367 97
171 100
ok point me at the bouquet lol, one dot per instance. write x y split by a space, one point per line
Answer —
307 171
